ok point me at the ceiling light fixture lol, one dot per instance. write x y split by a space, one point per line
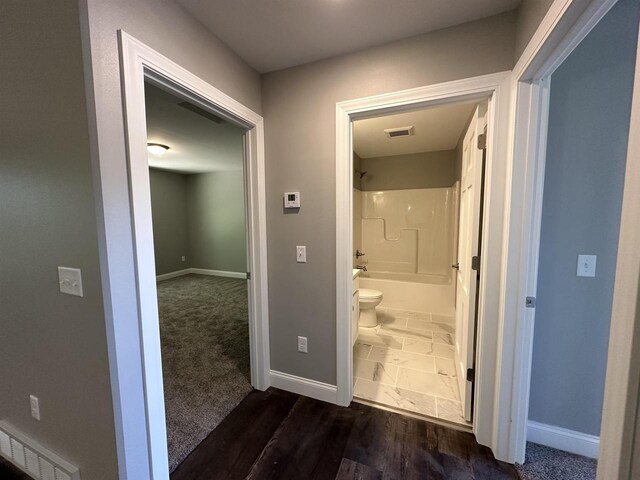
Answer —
157 148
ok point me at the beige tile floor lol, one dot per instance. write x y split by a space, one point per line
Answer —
406 362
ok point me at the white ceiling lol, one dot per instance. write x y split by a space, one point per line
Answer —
196 144
435 129
274 34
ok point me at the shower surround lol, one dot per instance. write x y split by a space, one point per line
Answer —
409 231
409 238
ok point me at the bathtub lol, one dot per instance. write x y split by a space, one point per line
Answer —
413 291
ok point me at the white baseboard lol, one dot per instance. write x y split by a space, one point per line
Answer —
167 276
218 273
200 271
304 386
563 439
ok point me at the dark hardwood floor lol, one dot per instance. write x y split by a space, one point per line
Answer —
280 435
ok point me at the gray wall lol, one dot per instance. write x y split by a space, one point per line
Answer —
217 225
586 154
416 170
169 212
529 15
201 216
63 184
299 109
51 345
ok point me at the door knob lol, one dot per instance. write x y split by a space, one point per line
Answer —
456 266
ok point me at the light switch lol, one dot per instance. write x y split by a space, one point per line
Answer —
586 266
70 280
301 254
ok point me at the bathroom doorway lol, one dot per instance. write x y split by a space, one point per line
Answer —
416 229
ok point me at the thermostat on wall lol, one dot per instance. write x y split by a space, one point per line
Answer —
292 200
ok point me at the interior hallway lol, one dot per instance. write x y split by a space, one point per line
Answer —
281 435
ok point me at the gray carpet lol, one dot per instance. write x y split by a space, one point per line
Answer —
204 330
544 463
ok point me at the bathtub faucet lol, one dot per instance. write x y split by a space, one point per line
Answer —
362 267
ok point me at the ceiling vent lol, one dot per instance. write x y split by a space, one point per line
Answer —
399 132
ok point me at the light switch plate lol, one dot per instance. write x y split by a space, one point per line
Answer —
35 406
70 280
586 266
301 254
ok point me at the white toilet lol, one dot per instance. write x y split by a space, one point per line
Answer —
369 300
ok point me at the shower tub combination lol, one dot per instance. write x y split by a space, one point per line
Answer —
413 291
409 238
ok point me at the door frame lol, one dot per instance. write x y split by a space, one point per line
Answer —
505 398
494 87
565 25
140 63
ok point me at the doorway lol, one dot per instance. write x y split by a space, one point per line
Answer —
490 88
416 209
196 173
141 65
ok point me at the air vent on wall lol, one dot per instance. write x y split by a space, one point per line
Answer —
399 132
32 458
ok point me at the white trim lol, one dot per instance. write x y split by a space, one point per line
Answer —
200 271
304 386
140 63
566 24
563 439
218 273
177 273
495 87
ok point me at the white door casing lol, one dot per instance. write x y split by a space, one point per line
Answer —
140 63
468 247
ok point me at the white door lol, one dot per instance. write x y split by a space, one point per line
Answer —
468 243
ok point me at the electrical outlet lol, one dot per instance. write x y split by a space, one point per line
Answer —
184 259
586 266
302 344
35 407
301 254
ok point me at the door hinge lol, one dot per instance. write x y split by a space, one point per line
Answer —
475 262
471 374
248 275
530 302
482 141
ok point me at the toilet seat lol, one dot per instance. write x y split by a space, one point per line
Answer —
369 294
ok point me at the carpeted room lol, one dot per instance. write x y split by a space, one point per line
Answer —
198 212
